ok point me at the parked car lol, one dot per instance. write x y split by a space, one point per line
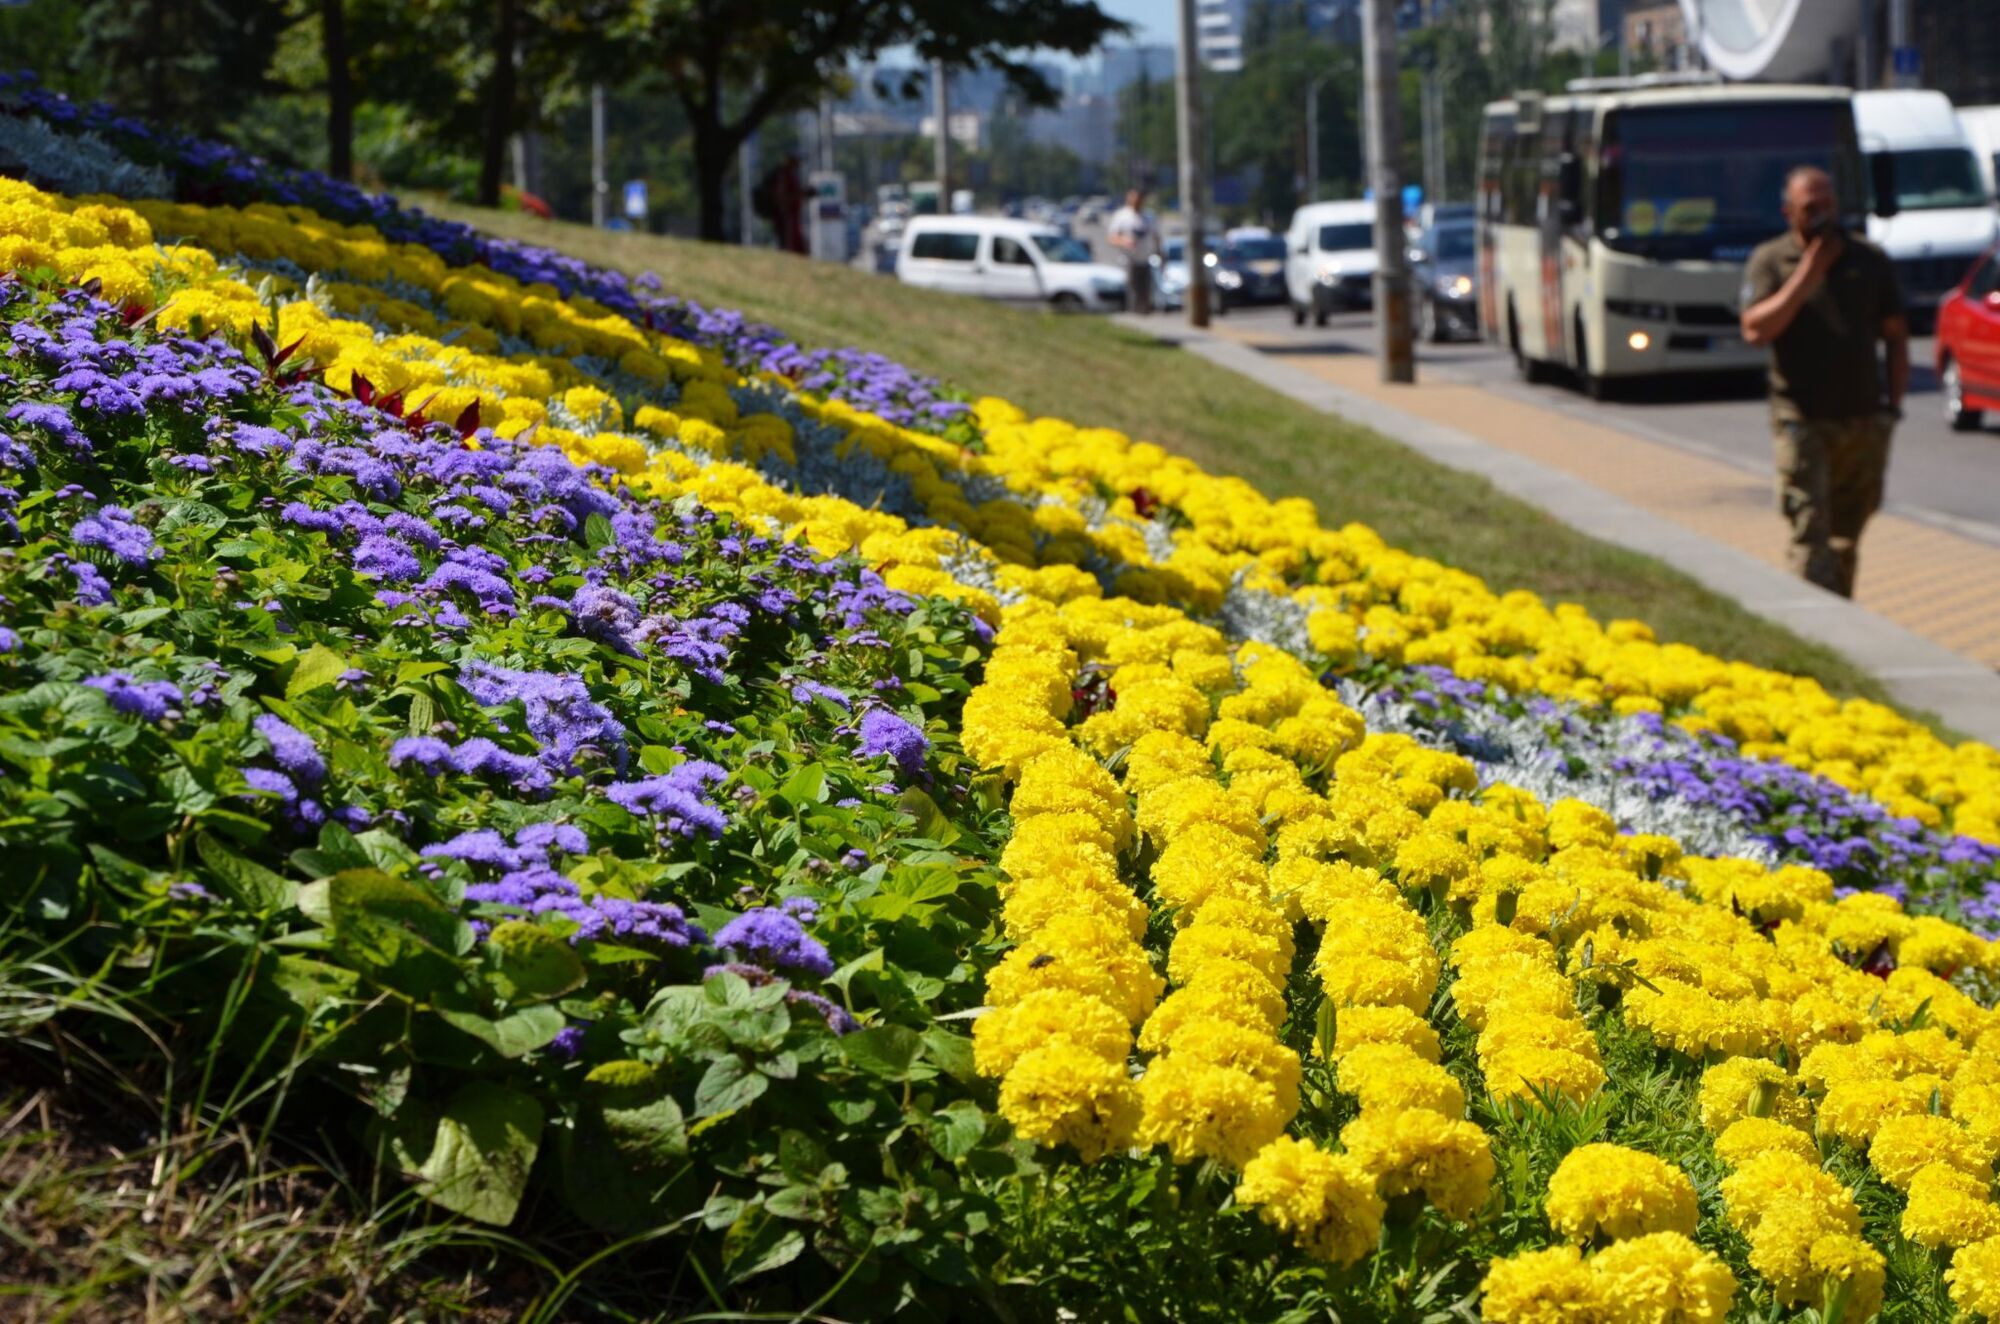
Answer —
1944 218
1170 275
1445 267
995 257
1251 270
1968 345
1330 259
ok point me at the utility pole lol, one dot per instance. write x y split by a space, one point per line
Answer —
746 174
826 133
1867 56
1187 98
1385 142
1903 66
1430 106
1312 139
941 107
600 187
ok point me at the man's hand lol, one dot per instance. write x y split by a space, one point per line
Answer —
1819 257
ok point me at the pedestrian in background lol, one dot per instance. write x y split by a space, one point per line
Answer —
1822 300
1132 233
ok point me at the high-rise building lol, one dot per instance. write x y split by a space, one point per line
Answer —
1219 30
1121 66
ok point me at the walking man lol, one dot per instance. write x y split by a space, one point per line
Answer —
1821 299
1131 233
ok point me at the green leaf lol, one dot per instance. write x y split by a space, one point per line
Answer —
728 1086
758 1243
313 986
533 962
423 714
245 881
597 532
932 822
514 1035
409 671
397 932
319 667
485 1145
951 1052
648 1136
806 785
869 960
954 1131
887 1051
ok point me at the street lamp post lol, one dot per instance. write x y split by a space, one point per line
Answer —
1385 141
1312 139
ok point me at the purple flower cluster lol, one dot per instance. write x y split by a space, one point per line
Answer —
530 884
149 700
477 757
113 529
562 717
884 733
674 798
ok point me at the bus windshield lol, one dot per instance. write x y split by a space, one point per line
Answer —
1705 181
1936 178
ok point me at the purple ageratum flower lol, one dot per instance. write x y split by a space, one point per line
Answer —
92 588
113 529
271 783
292 750
775 940
149 700
675 798
805 691
567 1043
561 715
9 641
885 733
480 757
52 419
385 557
425 753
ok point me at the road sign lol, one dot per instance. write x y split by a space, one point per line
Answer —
1906 62
635 199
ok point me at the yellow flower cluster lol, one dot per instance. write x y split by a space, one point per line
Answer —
1612 1192
1656 1278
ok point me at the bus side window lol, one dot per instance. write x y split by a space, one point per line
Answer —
1585 147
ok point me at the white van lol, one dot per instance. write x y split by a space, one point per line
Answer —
997 257
1982 130
1943 221
1330 259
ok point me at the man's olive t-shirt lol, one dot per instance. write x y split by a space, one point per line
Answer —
1826 365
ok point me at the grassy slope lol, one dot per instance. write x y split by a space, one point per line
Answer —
1091 371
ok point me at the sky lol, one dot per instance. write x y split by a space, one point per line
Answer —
1152 20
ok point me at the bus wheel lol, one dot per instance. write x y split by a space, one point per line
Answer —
1531 371
1595 385
1298 313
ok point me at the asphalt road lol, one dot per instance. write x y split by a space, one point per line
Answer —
1943 477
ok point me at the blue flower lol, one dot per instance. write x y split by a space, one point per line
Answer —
775 940
885 733
292 750
150 700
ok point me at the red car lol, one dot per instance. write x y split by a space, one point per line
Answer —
1968 345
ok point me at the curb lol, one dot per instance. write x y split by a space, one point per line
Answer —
1919 674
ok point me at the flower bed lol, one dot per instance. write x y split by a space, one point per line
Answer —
718 781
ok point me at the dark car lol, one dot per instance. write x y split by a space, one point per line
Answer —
1447 283
1251 271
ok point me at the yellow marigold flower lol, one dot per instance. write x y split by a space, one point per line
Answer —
1855 1110
1552 1286
1663 1278
1199 944
1355 1027
1439 864
1649 854
1390 1076
1062 1094
1445 1158
1239 995
1320 887
1033 905
1618 1192
1519 1072
1974 1278
1904 1145
1777 1181
1080 954
1692 1021
1200 1110
1579 823
1004 1035
1948 1208
1749 1138
1325 1202
1851 1273
1751 1087
1225 1043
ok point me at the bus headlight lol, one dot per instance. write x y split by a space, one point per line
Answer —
1638 309
1639 341
1455 287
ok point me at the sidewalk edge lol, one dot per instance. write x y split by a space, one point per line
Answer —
1919 674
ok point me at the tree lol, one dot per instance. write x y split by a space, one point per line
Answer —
188 64
339 89
735 63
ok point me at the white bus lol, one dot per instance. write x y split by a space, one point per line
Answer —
1614 221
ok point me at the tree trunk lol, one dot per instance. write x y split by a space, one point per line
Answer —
499 104
711 175
339 89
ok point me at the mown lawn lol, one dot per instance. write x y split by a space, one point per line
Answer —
1092 371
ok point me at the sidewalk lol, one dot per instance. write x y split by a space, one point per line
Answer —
1927 623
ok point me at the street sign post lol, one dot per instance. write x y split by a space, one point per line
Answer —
635 200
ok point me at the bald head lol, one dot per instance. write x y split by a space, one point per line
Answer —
1809 198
